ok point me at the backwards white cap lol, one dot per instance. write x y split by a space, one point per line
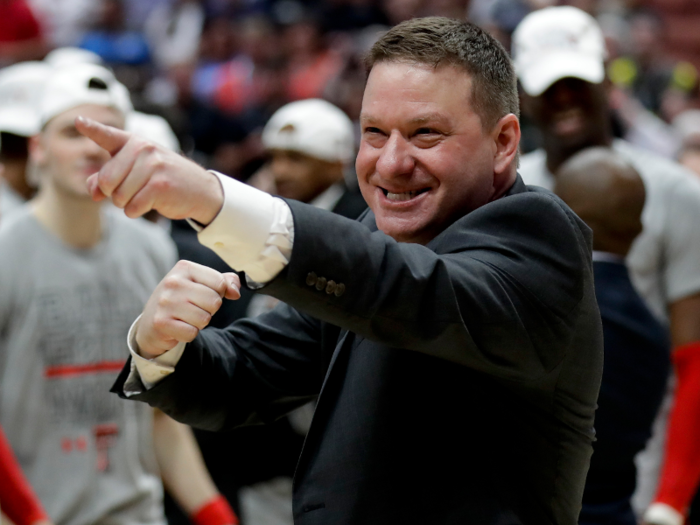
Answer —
77 84
555 43
314 127
21 87
67 56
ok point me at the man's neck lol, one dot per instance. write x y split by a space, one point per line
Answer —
558 155
74 220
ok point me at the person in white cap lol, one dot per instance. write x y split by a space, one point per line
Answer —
20 89
559 55
312 147
73 273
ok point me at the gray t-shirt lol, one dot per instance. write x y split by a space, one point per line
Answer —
10 200
665 259
64 318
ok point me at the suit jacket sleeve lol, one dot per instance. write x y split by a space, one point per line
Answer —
493 292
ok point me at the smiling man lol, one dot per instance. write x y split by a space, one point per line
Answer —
73 274
450 334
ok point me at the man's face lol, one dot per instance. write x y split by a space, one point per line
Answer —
67 158
572 114
424 159
301 177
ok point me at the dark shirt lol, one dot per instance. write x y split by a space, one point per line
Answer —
635 371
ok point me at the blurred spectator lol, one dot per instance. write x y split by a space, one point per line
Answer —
236 86
687 128
73 275
399 10
449 8
21 86
216 47
311 63
682 92
660 84
350 15
173 31
112 41
608 194
639 126
21 36
66 22
652 71
559 57
312 145
251 84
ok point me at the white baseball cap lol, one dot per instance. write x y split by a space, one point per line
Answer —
67 56
555 43
154 128
77 84
21 87
314 127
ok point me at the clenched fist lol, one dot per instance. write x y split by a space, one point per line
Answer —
181 305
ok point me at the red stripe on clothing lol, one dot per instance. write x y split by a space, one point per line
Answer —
88 368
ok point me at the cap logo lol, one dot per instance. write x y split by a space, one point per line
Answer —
288 128
562 38
97 83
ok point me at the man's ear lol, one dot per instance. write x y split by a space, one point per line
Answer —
506 136
37 151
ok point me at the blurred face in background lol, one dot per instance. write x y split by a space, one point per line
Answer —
301 177
572 114
66 158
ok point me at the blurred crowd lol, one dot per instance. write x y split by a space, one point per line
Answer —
215 72
217 69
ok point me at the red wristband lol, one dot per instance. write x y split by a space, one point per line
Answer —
19 502
216 511
681 469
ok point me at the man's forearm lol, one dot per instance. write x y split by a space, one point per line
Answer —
680 473
16 496
183 471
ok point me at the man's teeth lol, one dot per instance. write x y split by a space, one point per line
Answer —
408 195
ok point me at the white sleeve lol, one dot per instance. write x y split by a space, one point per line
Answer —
682 247
253 232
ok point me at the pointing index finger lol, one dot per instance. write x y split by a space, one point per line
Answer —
107 137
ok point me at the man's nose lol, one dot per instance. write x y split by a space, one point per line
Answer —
395 158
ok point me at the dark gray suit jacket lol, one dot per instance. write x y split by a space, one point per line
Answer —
457 380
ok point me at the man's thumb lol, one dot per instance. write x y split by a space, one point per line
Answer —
233 286
107 137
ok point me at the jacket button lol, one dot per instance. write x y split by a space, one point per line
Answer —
311 278
339 289
321 283
330 287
